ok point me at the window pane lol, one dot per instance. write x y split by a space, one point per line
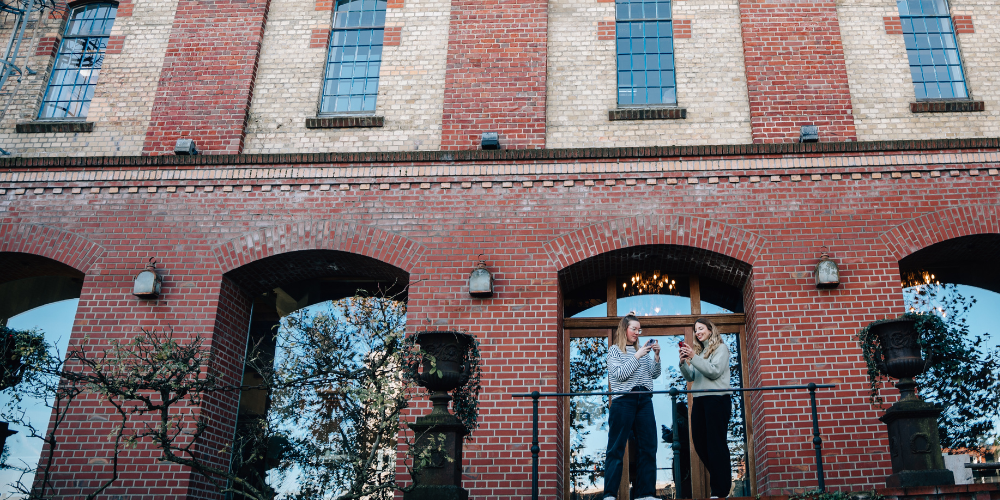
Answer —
935 65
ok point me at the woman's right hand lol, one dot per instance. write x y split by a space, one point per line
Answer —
686 353
639 353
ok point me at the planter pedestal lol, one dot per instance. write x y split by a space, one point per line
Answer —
913 442
441 480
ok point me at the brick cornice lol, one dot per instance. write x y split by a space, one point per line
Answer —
512 155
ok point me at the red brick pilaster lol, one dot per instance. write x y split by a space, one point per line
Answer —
495 79
208 76
963 24
796 74
320 38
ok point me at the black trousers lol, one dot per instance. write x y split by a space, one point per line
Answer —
631 414
709 429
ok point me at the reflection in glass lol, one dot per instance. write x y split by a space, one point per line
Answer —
78 62
588 414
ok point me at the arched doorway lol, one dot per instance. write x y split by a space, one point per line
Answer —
41 294
668 287
281 286
959 280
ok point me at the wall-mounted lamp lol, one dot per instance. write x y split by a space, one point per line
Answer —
809 133
827 272
185 147
147 283
490 140
481 281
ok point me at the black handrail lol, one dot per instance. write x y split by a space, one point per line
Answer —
674 392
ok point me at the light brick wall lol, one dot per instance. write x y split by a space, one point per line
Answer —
582 86
123 98
290 76
879 74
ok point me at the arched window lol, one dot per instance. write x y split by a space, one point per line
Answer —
351 80
78 63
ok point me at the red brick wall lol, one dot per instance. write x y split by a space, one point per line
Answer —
796 74
208 76
495 80
796 332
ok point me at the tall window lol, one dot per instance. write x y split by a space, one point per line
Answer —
645 52
351 80
932 49
78 63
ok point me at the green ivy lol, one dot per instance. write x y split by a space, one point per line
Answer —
465 399
933 336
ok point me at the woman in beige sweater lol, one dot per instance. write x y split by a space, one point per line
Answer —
706 366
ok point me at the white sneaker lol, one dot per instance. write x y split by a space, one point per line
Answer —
609 498
648 498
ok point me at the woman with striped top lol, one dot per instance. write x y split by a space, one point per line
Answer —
631 369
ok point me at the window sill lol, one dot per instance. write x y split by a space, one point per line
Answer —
947 106
45 127
345 121
647 114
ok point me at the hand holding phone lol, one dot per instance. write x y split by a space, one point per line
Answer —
650 342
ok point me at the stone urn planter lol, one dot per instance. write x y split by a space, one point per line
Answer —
445 367
914 445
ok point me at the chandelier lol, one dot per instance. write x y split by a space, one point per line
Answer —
918 278
647 283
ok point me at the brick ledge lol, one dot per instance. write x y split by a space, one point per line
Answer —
947 106
44 127
345 121
991 144
647 114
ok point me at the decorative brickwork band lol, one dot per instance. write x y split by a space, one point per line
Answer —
606 30
796 72
947 106
47 46
892 25
682 28
115 44
647 114
50 127
392 35
394 4
324 4
963 24
320 38
345 121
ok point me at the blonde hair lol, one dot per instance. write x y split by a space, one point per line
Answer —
621 335
714 340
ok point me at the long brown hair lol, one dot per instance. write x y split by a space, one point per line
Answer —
714 340
621 335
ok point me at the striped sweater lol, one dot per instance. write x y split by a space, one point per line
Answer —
626 372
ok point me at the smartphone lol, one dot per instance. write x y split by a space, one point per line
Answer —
681 344
650 342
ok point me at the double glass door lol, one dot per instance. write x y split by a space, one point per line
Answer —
588 334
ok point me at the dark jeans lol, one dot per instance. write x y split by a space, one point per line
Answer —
710 429
631 414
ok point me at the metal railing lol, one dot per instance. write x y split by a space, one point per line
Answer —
674 392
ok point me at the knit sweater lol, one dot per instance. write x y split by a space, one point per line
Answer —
626 372
708 373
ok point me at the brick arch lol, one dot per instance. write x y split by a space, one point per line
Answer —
359 239
639 230
59 245
926 230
